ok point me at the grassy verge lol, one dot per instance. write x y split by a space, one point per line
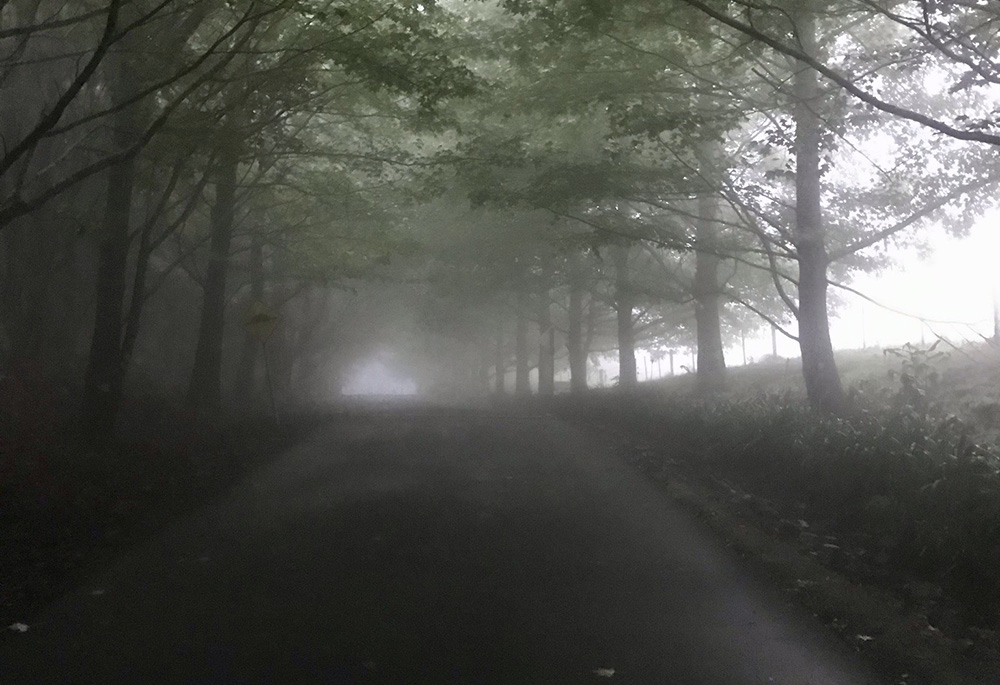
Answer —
884 522
66 509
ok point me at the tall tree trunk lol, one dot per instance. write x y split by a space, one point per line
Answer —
245 385
204 392
707 305
546 347
624 306
484 371
113 338
499 358
522 385
147 244
591 328
25 286
105 374
575 343
819 367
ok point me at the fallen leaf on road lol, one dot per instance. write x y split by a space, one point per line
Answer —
865 638
18 627
604 672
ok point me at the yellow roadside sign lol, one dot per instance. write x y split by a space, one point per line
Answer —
260 320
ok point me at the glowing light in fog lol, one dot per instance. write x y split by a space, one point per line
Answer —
375 378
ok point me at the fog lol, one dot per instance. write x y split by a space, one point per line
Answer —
419 310
374 378
262 220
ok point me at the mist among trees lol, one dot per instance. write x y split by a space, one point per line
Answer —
487 196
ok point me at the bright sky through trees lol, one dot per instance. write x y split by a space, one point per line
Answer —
950 285
954 283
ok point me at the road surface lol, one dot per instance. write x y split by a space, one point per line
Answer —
432 546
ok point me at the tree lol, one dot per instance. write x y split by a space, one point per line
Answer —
74 107
956 32
133 118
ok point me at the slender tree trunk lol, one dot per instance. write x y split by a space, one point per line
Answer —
499 359
104 377
204 392
575 343
484 371
707 306
138 296
115 331
819 367
522 386
591 330
546 348
996 315
137 303
624 306
245 385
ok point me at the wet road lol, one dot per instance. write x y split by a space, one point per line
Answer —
432 547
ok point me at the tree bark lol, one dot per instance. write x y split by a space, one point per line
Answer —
204 392
575 342
819 368
707 305
624 306
522 385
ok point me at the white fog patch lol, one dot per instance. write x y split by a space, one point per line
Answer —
375 378
952 289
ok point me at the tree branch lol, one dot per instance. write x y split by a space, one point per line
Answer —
844 81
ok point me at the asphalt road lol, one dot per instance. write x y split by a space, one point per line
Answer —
432 547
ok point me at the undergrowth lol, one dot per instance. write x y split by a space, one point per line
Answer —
896 478
67 505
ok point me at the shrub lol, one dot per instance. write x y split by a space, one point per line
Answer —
894 478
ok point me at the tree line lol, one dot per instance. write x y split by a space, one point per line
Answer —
745 158
523 182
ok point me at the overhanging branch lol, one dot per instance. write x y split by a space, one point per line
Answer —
843 80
